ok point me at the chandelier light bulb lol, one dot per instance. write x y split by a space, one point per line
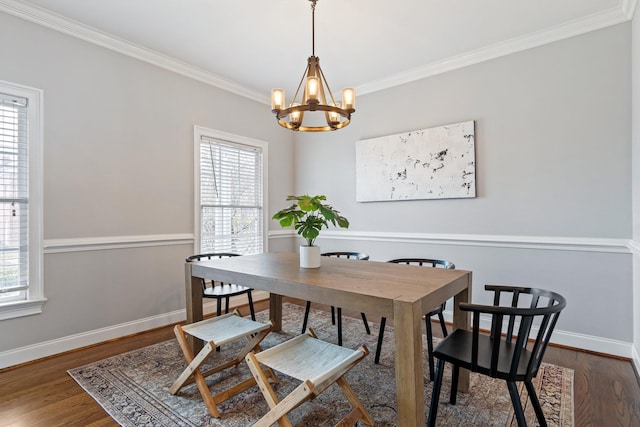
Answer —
277 99
349 98
312 89
334 118
295 117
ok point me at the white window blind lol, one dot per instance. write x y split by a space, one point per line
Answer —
231 199
14 199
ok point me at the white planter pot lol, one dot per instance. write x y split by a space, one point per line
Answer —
309 256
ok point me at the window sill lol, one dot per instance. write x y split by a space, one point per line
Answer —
12 310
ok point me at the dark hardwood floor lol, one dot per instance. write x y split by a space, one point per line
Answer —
606 390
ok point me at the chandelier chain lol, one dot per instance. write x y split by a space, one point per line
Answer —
313 27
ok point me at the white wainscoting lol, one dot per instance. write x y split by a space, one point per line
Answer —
635 249
579 244
72 342
52 246
593 245
636 359
587 342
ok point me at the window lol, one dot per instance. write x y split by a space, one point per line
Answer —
21 290
230 193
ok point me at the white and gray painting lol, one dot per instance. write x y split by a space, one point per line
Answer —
434 163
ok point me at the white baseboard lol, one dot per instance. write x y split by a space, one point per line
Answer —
593 343
48 348
72 342
636 358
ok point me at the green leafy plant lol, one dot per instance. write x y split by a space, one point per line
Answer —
309 215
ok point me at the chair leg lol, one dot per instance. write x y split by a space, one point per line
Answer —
333 315
435 395
517 405
443 325
339 316
251 309
455 373
429 346
306 317
383 321
536 403
218 313
366 324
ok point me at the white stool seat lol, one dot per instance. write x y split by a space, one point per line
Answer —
223 329
215 332
317 364
293 358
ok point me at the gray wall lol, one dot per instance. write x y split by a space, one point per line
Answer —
553 149
118 168
553 132
635 54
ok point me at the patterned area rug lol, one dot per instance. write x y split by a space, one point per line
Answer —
134 387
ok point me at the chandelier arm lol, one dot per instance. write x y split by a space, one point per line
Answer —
295 95
323 97
313 128
328 87
305 107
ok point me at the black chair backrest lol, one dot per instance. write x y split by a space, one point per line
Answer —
200 257
352 255
527 309
424 261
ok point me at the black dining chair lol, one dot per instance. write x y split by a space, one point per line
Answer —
424 262
350 255
522 321
222 291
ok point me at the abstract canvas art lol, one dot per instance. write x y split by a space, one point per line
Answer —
434 163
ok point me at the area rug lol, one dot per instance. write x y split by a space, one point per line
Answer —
133 387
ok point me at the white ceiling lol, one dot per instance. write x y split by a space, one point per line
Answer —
250 46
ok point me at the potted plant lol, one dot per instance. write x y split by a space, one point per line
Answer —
309 215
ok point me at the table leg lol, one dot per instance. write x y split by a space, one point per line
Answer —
461 321
193 292
275 311
407 322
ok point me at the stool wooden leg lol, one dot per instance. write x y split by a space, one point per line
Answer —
355 402
267 392
193 369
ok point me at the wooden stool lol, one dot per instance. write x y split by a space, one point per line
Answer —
217 331
317 364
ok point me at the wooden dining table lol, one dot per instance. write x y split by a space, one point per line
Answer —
399 292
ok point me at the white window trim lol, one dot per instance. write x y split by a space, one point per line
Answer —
198 133
36 298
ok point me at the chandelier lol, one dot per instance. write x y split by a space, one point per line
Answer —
313 97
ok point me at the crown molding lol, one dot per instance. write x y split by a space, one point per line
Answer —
573 28
629 7
576 27
78 30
